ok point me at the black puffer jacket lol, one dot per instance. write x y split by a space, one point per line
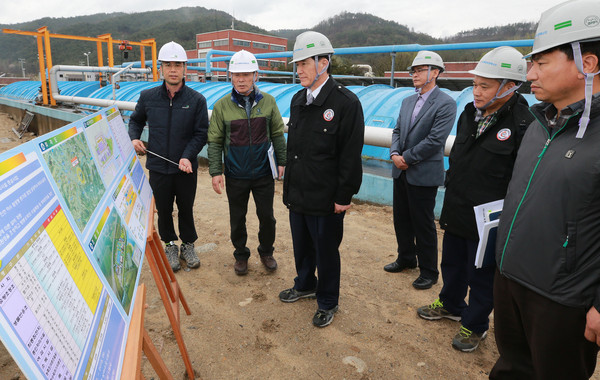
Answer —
549 233
177 128
480 168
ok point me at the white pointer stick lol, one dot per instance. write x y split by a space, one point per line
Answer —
164 158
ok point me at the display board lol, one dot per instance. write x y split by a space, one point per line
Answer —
73 222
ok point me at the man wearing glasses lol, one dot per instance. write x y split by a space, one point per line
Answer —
417 151
177 130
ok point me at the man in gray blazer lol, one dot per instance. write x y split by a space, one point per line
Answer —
417 151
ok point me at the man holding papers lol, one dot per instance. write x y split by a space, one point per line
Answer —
246 127
488 135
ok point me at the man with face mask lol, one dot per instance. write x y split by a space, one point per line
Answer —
488 136
243 126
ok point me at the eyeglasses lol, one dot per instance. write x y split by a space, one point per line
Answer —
172 64
412 72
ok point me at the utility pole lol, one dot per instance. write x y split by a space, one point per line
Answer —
87 57
22 62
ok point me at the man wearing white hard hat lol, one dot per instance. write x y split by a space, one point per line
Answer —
547 290
324 171
488 135
247 129
177 122
417 152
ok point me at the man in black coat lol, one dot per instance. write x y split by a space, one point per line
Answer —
488 136
324 171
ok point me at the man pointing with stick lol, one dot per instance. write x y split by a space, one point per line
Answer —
177 126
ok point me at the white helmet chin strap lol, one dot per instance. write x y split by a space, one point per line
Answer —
589 89
319 73
480 110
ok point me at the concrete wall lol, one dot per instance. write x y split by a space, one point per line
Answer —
45 119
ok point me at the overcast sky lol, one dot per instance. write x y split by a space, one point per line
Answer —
438 18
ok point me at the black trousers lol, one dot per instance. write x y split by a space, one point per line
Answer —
238 194
316 241
414 224
179 188
538 338
460 275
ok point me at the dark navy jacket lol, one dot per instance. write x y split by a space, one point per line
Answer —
177 127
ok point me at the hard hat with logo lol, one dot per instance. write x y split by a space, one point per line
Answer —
311 44
503 62
576 20
428 58
243 62
172 52
571 22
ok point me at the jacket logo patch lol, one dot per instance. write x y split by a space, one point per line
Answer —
503 134
185 107
328 114
570 153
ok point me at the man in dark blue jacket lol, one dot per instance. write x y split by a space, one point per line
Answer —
177 130
324 171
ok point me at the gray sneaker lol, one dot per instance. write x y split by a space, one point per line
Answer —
189 255
466 340
293 295
172 252
436 311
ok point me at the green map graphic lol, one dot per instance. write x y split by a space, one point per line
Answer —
73 170
114 253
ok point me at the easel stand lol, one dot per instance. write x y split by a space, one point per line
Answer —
138 340
171 295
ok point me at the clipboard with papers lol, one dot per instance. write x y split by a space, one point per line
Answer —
487 217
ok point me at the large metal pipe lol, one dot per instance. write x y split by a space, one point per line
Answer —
130 106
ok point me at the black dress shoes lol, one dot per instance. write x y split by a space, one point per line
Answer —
422 283
395 267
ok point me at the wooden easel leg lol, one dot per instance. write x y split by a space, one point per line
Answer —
168 287
138 340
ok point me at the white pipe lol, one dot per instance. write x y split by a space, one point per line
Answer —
375 136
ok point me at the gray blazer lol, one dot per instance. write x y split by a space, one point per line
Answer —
422 143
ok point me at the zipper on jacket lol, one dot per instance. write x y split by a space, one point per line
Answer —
566 242
540 156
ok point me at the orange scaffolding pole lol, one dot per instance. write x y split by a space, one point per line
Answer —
44 33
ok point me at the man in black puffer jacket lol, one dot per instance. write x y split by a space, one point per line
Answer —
488 136
177 130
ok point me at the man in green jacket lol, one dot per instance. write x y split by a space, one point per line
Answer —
246 129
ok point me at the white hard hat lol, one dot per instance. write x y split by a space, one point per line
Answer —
172 52
503 62
576 20
243 62
311 44
428 58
